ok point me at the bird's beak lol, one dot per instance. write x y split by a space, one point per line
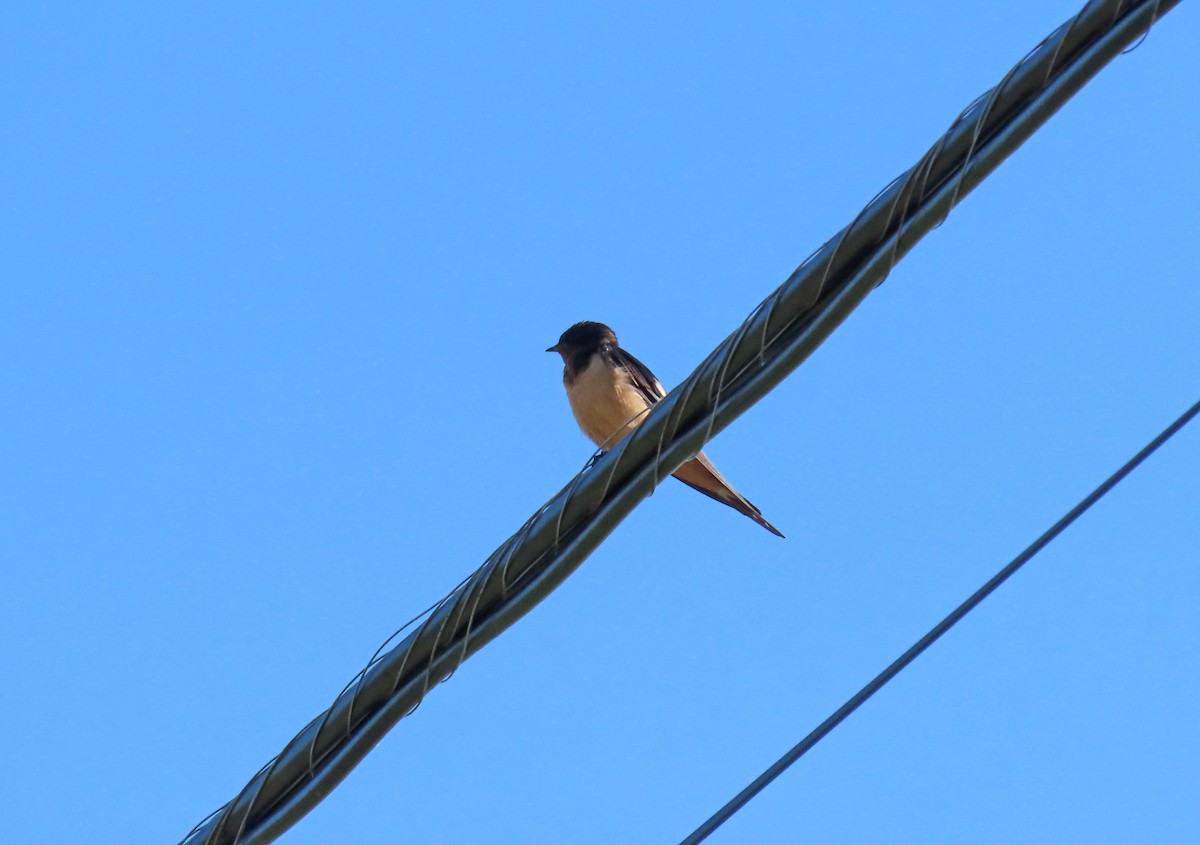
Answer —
553 348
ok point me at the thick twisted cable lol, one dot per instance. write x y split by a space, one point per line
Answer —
777 337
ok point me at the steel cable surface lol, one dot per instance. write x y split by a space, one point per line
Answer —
777 336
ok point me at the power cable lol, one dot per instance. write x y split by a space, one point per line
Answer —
799 749
768 345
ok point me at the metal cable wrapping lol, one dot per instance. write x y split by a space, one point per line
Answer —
776 337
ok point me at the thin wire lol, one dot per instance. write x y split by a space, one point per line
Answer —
799 749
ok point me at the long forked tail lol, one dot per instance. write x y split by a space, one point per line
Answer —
701 475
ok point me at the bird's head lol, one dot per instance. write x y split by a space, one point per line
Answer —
582 339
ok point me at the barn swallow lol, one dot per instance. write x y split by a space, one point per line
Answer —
610 392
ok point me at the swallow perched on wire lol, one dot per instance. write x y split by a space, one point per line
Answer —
610 392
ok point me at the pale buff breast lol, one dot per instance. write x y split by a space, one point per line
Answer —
606 406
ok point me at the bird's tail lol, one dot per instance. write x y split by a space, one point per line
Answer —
701 475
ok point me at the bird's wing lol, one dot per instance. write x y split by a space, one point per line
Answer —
698 473
644 380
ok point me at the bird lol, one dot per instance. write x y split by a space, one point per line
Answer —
610 391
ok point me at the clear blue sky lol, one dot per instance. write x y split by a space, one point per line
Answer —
277 283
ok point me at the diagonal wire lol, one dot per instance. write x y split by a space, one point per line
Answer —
780 333
799 749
